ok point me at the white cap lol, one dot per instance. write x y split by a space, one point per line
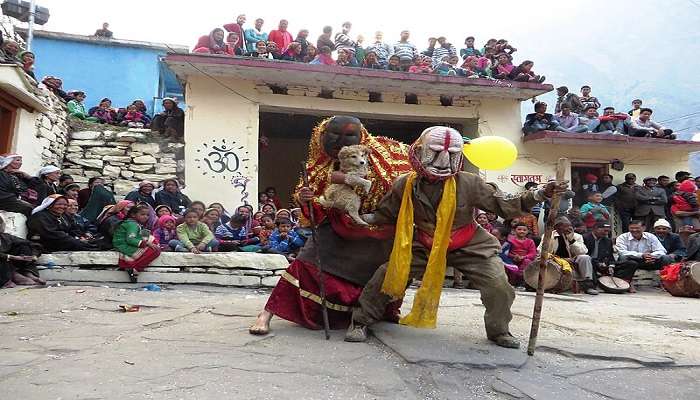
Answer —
662 222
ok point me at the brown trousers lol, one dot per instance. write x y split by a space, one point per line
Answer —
485 273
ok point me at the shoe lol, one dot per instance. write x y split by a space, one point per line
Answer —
542 78
506 340
356 333
132 276
591 291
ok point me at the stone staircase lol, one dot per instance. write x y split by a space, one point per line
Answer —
222 269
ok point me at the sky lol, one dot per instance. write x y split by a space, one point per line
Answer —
624 49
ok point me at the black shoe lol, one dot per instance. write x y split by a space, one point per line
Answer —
132 276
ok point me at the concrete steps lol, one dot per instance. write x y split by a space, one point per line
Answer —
221 269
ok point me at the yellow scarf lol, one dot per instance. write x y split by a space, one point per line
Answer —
425 305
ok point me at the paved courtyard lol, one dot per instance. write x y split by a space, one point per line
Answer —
191 342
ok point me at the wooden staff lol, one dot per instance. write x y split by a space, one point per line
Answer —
544 255
314 238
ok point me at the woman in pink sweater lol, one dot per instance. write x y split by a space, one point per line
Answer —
522 251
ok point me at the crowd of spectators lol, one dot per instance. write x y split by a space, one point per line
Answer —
169 123
493 60
580 114
654 221
150 220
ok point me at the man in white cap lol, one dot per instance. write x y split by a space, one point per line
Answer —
671 241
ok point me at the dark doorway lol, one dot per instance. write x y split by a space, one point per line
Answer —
579 172
288 141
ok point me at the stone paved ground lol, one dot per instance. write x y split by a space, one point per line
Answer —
69 342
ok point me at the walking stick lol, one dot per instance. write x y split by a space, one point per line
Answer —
544 255
314 238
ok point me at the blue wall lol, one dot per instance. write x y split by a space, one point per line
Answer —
121 73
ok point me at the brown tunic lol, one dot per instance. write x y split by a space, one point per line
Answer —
472 194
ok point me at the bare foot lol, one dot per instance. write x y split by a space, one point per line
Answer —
262 324
8 285
22 280
632 289
36 279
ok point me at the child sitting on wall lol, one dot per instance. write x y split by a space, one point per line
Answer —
133 118
165 231
284 240
523 73
232 236
194 236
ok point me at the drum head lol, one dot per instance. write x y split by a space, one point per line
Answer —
551 279
611 284
695 271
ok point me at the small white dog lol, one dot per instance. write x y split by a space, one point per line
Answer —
354 164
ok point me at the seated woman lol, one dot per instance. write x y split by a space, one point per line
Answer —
293 52
144 194
503 66
110 218
422 65
260 50
194 236
47 226
343 59
224 216
170 122
46 182
351 254
76 108
13 183
370 61
104 112
171 196
136 246
17 261
79 226
212 43
99 198
211 218
55 86
311 53
232 236
523 73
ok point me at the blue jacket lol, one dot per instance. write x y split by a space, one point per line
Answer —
252 36
673 245
291 243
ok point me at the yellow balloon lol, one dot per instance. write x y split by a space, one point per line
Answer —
491 152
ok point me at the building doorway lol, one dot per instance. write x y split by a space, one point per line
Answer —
581 174
286 141
8 115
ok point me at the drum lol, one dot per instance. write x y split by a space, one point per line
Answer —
555 280
688 283
611 284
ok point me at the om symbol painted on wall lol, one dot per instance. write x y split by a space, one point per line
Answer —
219 159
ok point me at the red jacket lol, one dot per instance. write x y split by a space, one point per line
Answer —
283 39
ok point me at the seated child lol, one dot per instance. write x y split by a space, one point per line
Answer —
193 235
268 227
394 63
284 240
422 65
684 204
133 118
104 114
165 231
508 264
594 211
445 68
503 67
522 251
471 68
523 73
136 246
232 236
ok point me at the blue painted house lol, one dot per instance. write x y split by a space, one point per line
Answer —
123 70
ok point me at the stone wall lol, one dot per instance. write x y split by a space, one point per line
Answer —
51 128
122 157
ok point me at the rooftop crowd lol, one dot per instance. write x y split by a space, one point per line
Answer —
581 114
492 60
168 123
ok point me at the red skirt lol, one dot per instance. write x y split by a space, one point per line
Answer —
296 298
141 259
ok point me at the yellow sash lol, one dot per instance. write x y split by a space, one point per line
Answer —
425 305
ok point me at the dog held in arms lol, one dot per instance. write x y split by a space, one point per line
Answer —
354 164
